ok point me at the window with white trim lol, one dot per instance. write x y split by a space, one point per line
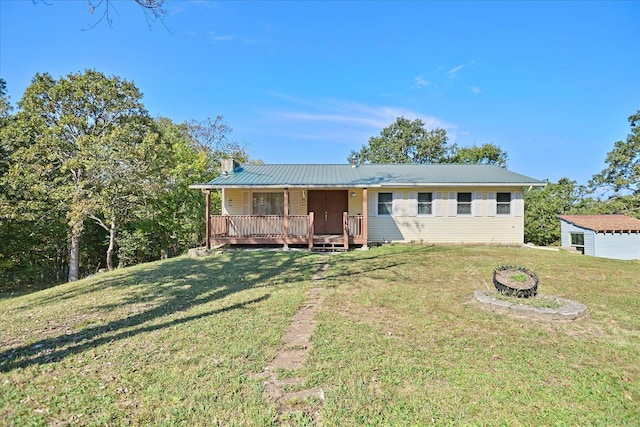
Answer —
503 203
464 204
385 203
577 241
268 203
425 203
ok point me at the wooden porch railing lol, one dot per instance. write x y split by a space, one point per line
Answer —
258 226
355 225
272 227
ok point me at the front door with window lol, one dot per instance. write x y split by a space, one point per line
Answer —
328 207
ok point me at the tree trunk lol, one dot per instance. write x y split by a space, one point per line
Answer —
112 245
74 255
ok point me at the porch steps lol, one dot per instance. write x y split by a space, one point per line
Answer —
328 243
328 247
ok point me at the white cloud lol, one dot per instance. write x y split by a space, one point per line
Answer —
421 82
225 38
476 90
452 73
342 121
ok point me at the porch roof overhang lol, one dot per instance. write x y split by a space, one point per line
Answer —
368 176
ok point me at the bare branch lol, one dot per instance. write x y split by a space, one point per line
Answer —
153 10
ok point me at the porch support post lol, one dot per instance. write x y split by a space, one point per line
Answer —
207 214
345 229
311 231
365 218
286 218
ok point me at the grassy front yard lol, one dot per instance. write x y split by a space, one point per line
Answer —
398 342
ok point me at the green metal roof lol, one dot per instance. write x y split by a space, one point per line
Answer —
376 175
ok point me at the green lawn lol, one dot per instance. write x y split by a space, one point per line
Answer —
398 341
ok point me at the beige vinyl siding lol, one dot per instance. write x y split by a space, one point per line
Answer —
237 198
445 225
468 229
355 203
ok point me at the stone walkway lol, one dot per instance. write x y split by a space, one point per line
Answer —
295 348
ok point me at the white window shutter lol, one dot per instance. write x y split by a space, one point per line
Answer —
492 209
373 204
413 204
396 206
453 203
476 204
437 203
246 203
294 205
517 203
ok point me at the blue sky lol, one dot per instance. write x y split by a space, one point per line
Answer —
552 83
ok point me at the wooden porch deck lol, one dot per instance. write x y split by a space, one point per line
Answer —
282 230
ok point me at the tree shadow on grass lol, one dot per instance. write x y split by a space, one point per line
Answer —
162 289
374 260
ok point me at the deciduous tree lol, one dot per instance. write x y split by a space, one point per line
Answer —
543 205
621 178
486 154
409 141
63 133
405 141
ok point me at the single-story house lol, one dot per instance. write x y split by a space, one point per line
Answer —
607 236
347 204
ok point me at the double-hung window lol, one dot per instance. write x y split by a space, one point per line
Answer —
268 203
385 203
464 204
503 203
425 203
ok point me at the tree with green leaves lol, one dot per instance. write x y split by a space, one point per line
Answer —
486 154
543 205
31 230
408 141
5 106
171 220
65 134
5 116
621 178
131 168
405 141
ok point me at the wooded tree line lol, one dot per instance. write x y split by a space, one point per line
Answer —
88 179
